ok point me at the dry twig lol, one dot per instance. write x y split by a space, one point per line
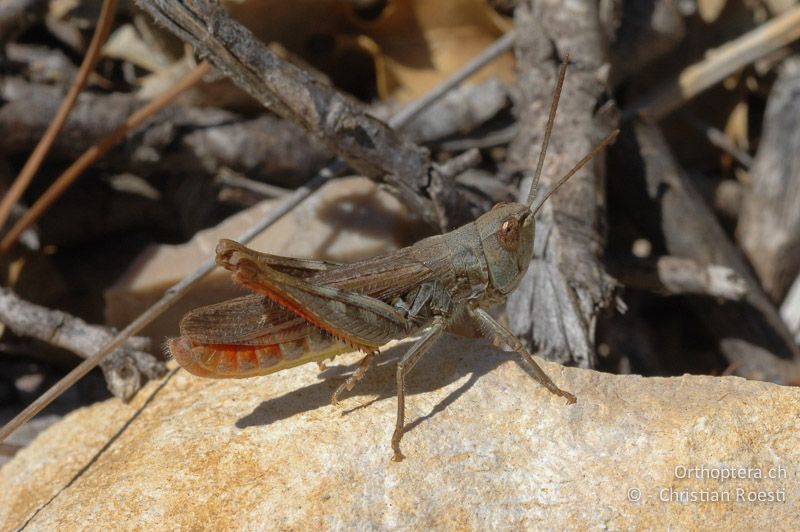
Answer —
367 144
123 369
769 224
557 303
675 275
750 332
718 139
72 173
719 64
37 157
203 141
459 111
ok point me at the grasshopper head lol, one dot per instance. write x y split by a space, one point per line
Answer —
508 229
506 234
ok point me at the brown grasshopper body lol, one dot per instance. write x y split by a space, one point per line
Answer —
306 310
333 308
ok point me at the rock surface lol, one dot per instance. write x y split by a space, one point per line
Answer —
487 448
346 220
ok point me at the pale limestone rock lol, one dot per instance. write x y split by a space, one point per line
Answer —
348 219
487 448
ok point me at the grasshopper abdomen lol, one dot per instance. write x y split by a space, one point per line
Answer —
223 361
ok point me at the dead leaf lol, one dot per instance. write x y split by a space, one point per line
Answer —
410 46
423 42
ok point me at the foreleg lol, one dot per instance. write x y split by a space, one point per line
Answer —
490 326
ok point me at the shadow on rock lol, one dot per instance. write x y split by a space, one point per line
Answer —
432 372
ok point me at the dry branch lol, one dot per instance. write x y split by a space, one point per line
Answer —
178 140
769 224
123 369
719 64
68 177
664 202
459 111
674 275
367 144
231 180
557 303
718 138
204 140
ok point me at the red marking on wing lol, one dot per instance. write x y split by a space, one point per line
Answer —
222 360
301 311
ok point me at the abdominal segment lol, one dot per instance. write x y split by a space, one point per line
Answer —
222 361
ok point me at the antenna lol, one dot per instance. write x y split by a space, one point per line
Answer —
597 149
550 120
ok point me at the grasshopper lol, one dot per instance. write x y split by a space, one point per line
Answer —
309 310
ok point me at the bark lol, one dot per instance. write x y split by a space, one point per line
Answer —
188 140
769 225
462 110
558 301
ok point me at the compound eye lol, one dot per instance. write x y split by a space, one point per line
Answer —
509 234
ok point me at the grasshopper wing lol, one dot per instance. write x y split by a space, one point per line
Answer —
356 319
247 320
307 310
253 319
248 336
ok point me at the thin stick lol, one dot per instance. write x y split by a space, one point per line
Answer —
232 179
597 149
123 369
37 157
177 291
91 155
548 130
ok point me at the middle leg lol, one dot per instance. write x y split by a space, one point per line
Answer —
357 375
405 365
